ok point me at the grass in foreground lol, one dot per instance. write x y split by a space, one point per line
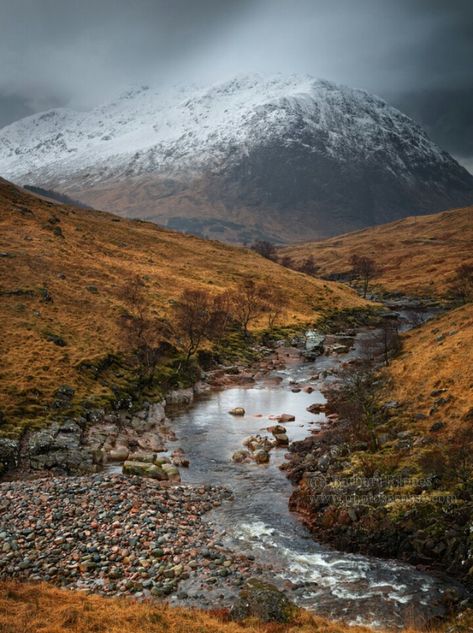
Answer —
26 608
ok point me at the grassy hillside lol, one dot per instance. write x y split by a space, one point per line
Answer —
42 609
61 273
416 256
437 356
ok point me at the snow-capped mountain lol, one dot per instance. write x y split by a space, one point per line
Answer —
285 158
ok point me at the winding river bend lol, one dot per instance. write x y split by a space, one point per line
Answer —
257 521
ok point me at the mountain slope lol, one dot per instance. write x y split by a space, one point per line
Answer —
284 158
61 272
417 255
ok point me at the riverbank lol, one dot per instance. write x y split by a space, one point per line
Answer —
401 486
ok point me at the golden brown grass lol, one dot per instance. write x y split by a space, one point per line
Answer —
416 255
27 608
84 268
438 355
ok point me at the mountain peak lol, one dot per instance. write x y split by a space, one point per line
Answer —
254 146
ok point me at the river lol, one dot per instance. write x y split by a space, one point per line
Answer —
355 588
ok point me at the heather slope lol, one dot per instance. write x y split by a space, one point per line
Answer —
62 270
434 374
417 255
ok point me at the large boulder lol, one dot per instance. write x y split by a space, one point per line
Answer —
262 600
145 457
171 471
59 446
143 469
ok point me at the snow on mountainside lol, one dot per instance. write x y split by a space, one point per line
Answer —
276 146
189 127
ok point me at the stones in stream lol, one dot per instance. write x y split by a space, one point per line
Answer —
317 407
286 417
280 435
259 446
153 466
237 411
241 456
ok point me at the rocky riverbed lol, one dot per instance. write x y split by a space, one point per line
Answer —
113 534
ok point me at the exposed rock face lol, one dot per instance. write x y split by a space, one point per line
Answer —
275 158
60 446
85 444
8 454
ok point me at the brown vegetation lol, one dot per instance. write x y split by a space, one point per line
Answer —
63 312
461 287
26 608
418 255
434 374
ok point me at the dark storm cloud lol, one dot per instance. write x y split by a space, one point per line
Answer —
416 53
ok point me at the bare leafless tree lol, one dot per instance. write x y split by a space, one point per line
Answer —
357 401
200 316
265 249
364 269
274 306
193 314
250 302
222 316
142 329
390 339
308 266
461 287
381 344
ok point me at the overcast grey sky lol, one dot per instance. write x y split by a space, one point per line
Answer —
416 53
